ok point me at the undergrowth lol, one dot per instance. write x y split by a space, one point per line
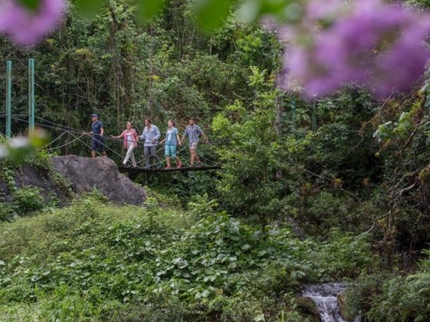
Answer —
94 261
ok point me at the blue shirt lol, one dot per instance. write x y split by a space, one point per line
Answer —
193 133
149 134
171 136
96 129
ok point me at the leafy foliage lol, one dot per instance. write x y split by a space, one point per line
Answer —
108 260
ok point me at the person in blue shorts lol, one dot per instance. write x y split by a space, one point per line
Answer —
97 132
171 143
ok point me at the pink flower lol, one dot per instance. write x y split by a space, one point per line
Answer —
369 43
26 27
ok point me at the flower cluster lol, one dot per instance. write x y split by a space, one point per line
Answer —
366 42
25 26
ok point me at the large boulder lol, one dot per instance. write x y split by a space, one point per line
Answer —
101 173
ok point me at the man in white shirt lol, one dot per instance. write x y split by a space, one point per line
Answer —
150 135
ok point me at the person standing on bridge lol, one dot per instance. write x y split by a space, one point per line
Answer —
130 142
172 140
193 132
150 135
97 132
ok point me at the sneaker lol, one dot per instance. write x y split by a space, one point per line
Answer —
199 164
159 166
167 168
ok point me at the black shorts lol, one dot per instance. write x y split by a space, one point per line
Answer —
97 144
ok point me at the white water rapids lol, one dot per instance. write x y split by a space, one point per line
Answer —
325 297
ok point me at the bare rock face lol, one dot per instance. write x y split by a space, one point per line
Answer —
101 173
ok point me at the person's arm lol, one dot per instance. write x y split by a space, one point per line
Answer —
177 138
117 136
184 136
161 142
157 134
203 135
136 137
142 137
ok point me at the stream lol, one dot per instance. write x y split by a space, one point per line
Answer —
325 297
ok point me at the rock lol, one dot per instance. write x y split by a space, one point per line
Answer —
87 174
4 192
308 308
42 180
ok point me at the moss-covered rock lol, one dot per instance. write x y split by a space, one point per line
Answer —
308 308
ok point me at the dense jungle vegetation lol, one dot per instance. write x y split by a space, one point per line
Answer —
310 191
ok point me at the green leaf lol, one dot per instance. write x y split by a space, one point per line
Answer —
88 8
148 8
211 13
259 318
182 264
246 247
30 4
221 257
261 253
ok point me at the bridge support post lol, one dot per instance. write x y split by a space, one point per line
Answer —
8 98
31 96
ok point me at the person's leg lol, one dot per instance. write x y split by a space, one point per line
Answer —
101 146
133 159
147 151
167 155
154 154
127 155
93 148
173 155
194 156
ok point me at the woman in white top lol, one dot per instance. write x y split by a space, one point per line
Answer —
130 142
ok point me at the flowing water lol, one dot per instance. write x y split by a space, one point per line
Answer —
325 297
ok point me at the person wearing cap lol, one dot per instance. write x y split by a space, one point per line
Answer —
150 136
97 132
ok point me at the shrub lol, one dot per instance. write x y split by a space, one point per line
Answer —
27 199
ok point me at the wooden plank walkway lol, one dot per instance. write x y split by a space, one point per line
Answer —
182 169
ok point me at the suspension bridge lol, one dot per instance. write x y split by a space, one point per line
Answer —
67 138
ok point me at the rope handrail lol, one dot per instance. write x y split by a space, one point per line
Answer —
70 131
50 143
